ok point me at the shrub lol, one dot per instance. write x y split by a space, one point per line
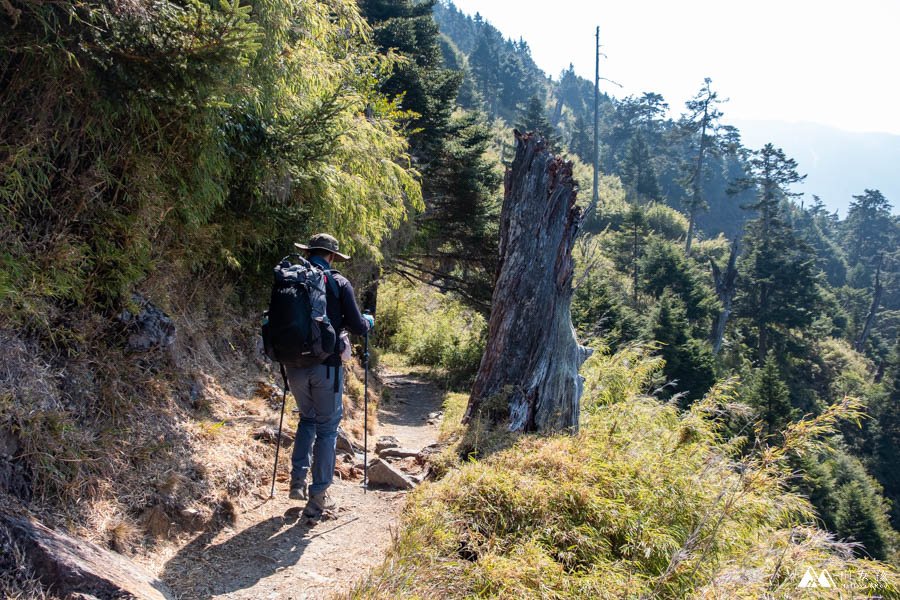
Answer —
430 328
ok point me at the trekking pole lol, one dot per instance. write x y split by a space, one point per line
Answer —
366 412
280 423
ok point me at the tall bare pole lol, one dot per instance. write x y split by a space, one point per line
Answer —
595 198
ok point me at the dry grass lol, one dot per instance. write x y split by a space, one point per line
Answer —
644 502
128 450
17 578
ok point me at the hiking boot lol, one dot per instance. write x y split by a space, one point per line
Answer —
298 491
319 503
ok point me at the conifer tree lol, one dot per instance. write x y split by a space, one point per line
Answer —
581 141
770 396
533 118
454 248
857 518
688 362
701 124
886 413
778 289
868 227
637 170
485 64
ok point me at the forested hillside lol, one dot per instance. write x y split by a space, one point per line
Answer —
157 158
805 311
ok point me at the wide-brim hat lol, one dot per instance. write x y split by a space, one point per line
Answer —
323 241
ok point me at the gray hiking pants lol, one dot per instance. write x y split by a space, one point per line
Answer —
318 394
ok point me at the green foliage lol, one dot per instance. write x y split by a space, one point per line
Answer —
533 119
188 136
689 365
454 243
868 228
430 329
780 287
641 502
666 222
664 266
770 397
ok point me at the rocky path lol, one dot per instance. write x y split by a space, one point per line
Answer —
272 552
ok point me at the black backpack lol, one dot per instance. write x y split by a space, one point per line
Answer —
296 331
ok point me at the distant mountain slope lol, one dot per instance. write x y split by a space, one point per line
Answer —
839 164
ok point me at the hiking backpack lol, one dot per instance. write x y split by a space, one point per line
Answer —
296 331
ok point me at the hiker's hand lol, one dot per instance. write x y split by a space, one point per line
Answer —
370 320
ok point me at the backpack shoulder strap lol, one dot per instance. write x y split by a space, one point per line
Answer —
332 283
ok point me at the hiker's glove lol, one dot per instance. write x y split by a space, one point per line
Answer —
370 320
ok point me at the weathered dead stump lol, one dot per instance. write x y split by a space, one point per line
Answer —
532 357
726 287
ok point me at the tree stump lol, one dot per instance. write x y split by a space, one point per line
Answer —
726 287
532 357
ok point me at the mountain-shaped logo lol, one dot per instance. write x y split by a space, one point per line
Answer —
812 580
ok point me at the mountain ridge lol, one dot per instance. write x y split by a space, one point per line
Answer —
839 164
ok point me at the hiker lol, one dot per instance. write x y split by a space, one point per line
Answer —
317 389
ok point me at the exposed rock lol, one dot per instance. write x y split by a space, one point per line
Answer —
386 441
192 519
80 569
429 451
345 444
149 329
383 474
398 453
268 434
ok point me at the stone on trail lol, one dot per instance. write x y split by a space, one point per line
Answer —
79 569
386 441
345 444
398 453
381 473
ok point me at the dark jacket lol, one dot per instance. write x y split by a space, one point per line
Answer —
342 309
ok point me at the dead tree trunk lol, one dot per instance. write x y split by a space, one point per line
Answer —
532 358
725 289
873 310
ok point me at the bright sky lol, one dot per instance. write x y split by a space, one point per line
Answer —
826 62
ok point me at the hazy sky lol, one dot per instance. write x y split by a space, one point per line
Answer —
834 63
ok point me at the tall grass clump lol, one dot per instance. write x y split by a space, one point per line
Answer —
430 328
644 502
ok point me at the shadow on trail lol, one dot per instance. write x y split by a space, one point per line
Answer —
408 405
200 570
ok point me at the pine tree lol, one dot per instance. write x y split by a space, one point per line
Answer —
455 246
634 237
637 171
886 413
770 396
867 227
778 289
533 118
664 267
689 362
581 141
485 64
857 518
421 82
701 125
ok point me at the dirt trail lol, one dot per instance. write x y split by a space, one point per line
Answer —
272 552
